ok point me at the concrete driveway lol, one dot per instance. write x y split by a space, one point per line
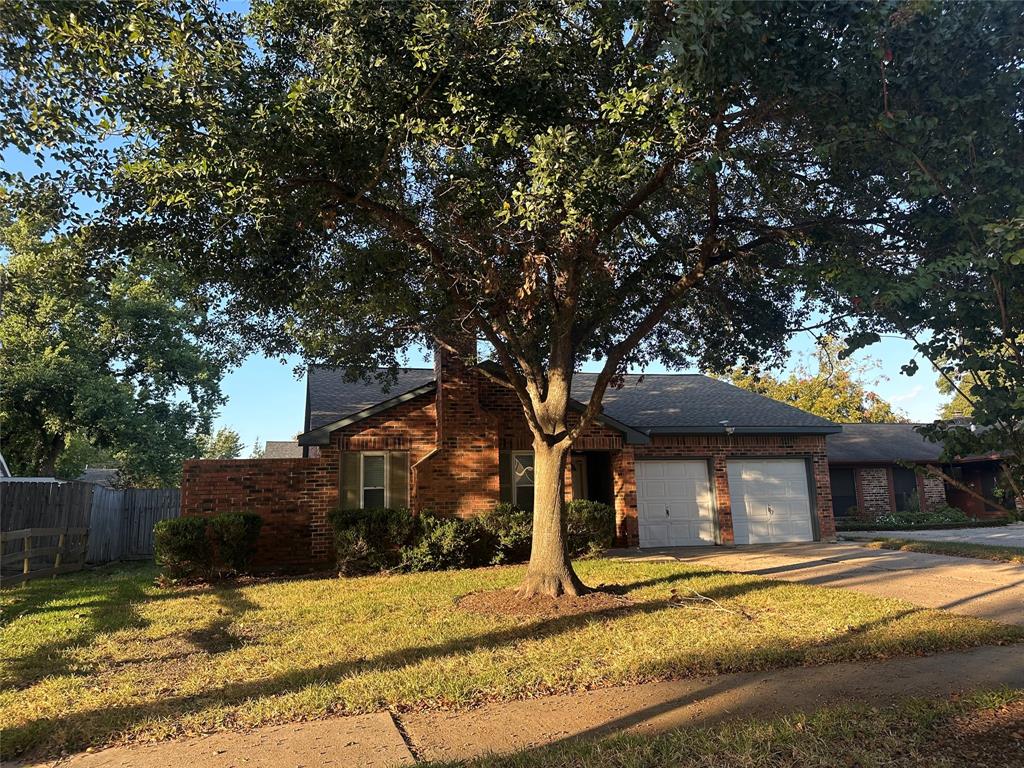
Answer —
1002 536
962 585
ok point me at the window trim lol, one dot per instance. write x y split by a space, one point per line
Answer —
362 483
512 470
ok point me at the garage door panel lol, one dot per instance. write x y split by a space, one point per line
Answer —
674 503
770 501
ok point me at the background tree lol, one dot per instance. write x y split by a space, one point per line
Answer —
624 182
953 150
225 443
98 355
837 390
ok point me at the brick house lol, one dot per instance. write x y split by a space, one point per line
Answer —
684 460
869 477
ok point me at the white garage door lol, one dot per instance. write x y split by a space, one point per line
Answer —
769 501
674 503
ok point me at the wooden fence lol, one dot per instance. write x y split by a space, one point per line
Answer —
37 559
100 524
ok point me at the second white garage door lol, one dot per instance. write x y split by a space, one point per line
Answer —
770 501
673 501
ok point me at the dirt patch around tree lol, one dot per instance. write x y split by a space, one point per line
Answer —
507 602
986 738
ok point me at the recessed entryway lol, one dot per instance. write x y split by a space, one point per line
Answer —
674 503
770 501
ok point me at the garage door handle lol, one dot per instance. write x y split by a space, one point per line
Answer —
667 514
770 510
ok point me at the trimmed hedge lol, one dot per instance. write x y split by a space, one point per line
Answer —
371 540
182 548
204 546
375 540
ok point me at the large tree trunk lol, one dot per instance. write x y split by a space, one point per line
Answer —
550 571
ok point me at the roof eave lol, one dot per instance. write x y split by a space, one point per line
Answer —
322 435
718 429
632 435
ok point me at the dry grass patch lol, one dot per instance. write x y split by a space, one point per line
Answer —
106 656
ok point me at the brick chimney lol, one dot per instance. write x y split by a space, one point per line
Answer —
457 387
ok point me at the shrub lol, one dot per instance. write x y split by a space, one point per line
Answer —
234 537
447 543
512 529
182 547
371 540
917 518
590 526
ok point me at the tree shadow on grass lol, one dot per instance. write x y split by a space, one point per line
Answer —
73 730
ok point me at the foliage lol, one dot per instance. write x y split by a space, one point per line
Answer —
590 527
918 518
225 443
182 547
99 354
628 182
836 391
287 650
512 529
952 149
446 543
234 536
370 540
960 405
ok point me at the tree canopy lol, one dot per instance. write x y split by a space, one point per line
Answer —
225 443
838 390
626 182
98 357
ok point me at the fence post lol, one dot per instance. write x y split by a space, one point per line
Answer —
26 552
60 551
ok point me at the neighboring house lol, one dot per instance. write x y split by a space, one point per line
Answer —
684 460
108 477
282 449
870 476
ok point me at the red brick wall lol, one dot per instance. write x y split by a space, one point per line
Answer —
292 496
721 448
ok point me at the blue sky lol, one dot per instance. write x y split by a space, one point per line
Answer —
266 400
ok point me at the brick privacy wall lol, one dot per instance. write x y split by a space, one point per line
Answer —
720 448
874 483
292 496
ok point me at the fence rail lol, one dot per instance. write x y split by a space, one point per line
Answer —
68 554
117 524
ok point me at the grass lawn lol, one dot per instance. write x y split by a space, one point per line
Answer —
982 731
953 548
105 656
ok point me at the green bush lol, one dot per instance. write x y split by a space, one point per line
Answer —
512 529
917 518
182 547
590 527
448 543
371 540
234 536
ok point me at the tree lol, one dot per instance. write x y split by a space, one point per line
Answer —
225 443
624 182
953 150
960 405
259 449
98 356
836 391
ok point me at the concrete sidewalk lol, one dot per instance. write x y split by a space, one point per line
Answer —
376 741
981 588
369 741
659 707
1000 536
